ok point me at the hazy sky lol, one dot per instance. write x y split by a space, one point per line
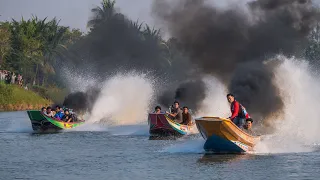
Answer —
73 13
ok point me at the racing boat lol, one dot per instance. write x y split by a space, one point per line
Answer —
161 125
223 136
42 123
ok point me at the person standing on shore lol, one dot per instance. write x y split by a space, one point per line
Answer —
2 75
13 78
8 78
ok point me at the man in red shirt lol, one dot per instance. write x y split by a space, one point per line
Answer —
239 113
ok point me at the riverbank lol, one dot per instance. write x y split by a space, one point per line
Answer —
15 98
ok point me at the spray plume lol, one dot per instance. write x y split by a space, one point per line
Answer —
117 44
233 44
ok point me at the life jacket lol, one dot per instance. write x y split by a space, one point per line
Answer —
242 111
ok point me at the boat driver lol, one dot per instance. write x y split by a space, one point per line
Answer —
239 113
176 112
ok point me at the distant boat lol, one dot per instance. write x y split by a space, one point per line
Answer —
161 125
223 136
43 123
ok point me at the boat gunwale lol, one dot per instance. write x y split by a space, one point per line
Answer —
55 119
228 120
174 129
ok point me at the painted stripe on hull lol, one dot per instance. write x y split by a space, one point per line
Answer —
220 145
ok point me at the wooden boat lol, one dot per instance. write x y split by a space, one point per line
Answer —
41 122
223 136
161 125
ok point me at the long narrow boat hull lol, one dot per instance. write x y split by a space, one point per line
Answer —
42 123
223 136
162 126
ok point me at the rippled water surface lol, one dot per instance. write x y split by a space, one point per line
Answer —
126 153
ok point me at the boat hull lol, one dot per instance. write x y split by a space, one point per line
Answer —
42 123
223 136
162 126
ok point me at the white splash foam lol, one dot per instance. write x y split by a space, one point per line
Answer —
124 100
215 103
300 126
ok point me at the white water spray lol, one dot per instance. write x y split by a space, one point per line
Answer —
123 100
299 88
215 103
78 82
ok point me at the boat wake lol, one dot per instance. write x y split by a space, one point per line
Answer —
18 127
132 130
18 124
124 130
186 145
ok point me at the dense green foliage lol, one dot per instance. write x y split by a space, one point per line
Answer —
30 47
13 97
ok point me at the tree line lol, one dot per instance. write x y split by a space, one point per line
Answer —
40 48
30 47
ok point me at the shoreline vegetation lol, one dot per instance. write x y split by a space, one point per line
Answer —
45 53
15 98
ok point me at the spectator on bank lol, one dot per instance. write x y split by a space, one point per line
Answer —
2 75
19 80
21 83
8 77
13 78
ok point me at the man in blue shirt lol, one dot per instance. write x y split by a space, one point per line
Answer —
59 114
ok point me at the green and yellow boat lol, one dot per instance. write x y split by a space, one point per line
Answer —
43 123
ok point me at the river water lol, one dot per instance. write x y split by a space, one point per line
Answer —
125 152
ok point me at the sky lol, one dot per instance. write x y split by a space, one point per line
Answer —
75 13
72 13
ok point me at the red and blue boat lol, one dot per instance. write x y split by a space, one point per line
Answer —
161 125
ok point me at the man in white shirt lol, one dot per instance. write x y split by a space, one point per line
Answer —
49 112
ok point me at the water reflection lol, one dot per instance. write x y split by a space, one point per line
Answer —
224 158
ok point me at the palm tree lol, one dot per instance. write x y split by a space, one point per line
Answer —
4 40
52 35
34 45
102 14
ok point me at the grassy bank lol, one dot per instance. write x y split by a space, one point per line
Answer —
14 98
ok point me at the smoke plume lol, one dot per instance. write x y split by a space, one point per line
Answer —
189 93
117 44
82 101
232 44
